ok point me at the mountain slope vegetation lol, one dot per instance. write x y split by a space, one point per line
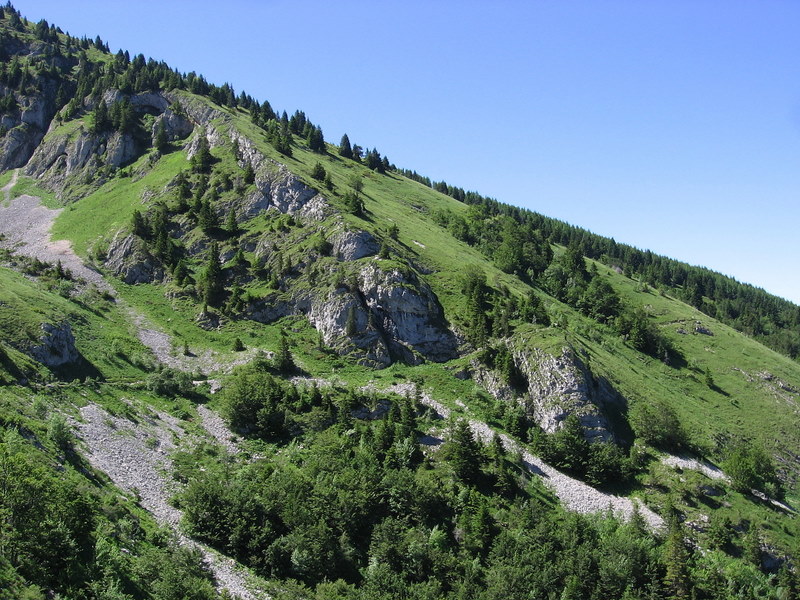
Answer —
387 354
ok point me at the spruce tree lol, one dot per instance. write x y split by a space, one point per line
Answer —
160 141
201 161
319 172
283 361
249 173
231 226
213 282
345 150
101 120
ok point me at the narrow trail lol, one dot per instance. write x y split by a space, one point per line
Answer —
6 189
574 494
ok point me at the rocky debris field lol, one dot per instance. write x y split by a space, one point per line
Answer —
135 456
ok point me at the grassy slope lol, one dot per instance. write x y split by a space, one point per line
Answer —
102 332
742 404
394 199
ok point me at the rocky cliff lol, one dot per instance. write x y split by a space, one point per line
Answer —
555 387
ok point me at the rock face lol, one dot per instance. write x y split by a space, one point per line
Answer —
56 346
282 191
128 259
562 385
352 245
393 315
345 323
120 149
408 312
176 126
557 386
65 155
25 126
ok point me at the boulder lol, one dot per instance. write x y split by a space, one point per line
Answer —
56 346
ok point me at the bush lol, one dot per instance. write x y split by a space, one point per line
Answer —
750 467
59 432
657 424
170 382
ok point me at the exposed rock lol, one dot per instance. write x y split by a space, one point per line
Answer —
18 145
56 347
352 245
176 126
700 328
561 385
26 126
120 149
208 320
408 312
341 311
282 191
268 309
63 154
129 259
557 387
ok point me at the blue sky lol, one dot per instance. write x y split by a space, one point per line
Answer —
673 126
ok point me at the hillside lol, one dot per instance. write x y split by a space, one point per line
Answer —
239 340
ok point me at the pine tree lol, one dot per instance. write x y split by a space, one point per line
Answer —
101 120
464 453
345 150
201 161
315 140
207 218
213 283
676 557
160 141
283 361
319 172
231 226
249 173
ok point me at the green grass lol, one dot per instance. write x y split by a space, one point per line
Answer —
97 217
102 332
28 186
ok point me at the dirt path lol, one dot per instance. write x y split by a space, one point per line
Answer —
6 189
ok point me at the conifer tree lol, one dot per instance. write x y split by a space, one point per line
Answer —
231 226
201 161
315 140
249 173
213 283
464 453
283 361
319 172
160 141
345 150
101 120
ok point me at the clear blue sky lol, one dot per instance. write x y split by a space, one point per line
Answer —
671 125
